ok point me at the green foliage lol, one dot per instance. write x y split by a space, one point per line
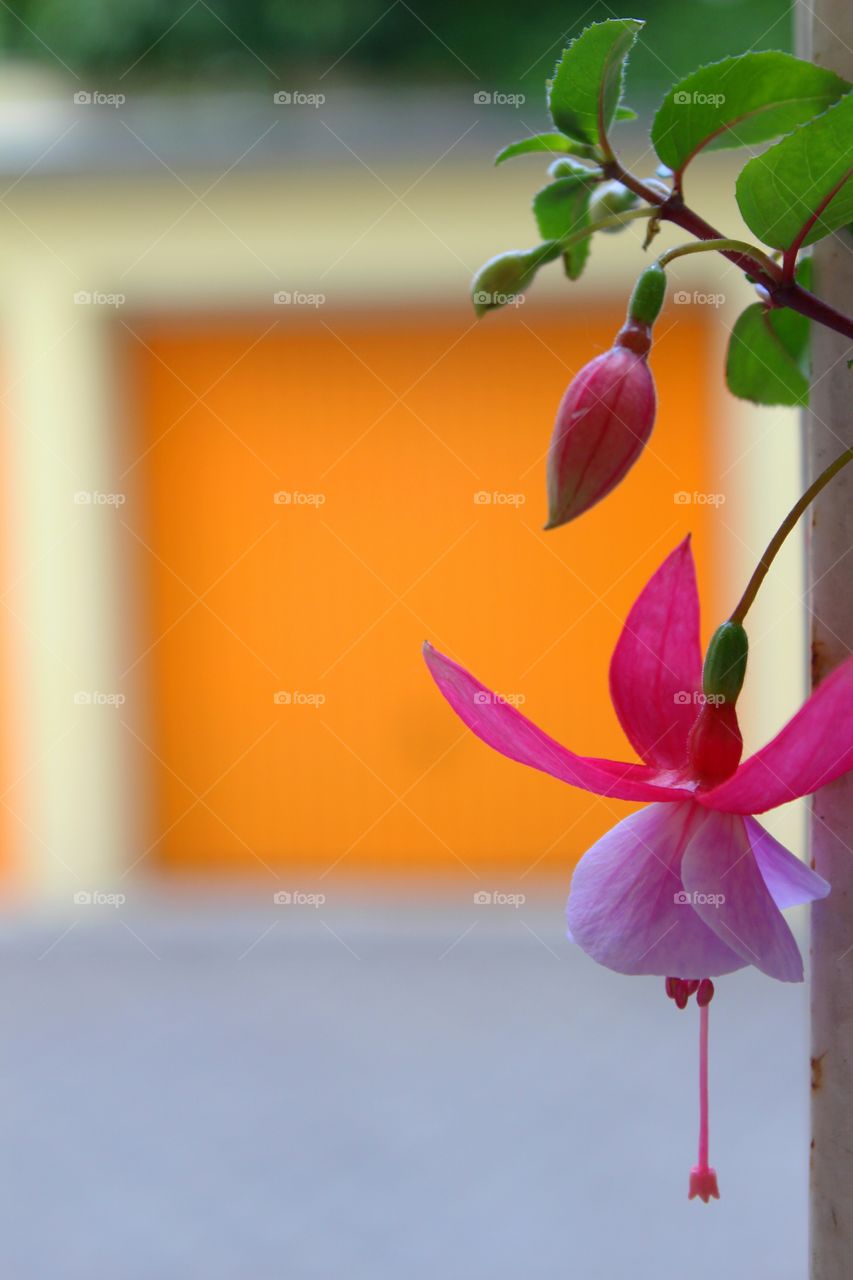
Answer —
550 142
801 187
767 359
586 90
562 209
740 101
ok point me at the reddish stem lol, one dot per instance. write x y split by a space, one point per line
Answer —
781 292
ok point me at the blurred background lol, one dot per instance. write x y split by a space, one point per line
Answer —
257 449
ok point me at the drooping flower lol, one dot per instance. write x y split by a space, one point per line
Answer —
692 886
607 413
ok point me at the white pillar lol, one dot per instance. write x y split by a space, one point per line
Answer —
66 603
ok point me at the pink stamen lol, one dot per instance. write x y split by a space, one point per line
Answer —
703 1179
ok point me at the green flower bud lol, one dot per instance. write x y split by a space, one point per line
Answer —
609 199
725 663
507 275
565 167
647 298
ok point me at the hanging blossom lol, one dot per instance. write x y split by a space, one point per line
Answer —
690 887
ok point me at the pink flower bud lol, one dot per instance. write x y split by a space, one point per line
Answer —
603 423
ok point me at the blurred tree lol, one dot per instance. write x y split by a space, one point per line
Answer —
503 44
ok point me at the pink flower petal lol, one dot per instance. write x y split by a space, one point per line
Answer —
788 879
657 663
814 747
626 905
511 733
727 891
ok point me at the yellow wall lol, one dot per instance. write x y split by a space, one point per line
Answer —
336 599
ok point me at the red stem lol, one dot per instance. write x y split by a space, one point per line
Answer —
781 292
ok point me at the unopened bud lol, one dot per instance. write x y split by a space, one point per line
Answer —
725 662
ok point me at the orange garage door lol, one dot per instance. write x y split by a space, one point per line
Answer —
314 498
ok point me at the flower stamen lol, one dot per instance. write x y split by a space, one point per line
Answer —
703 1179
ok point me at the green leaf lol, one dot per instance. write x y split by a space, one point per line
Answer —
543 142
625 113
574 259
562 209
587 84
800 190
740 101
767 356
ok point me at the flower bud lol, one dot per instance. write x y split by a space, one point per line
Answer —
603 423
505 276
725 662
608 199
714 744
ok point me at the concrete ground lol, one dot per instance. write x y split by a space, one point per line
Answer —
380 1092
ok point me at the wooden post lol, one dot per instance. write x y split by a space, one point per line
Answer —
826 36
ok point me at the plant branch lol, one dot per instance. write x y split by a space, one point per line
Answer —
782 532
781 293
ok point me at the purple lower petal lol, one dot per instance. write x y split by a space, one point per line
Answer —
627 907
728 892
788 879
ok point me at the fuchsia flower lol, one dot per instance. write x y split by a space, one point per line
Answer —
692 886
